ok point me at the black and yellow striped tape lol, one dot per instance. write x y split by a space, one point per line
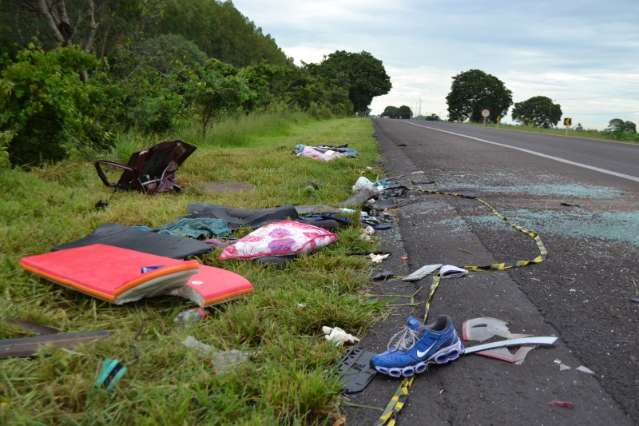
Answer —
399 398
395 405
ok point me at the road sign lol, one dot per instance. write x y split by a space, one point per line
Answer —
567 121
485 113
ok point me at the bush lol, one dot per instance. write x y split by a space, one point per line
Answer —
157 113
47 110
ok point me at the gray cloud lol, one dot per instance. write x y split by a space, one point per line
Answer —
581 54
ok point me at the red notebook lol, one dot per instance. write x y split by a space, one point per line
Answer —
120 275
211 286
111 273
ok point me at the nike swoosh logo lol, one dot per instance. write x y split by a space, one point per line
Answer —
420 354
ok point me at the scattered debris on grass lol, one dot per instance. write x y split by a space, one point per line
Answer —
338 336
378 258
222 361
110 374
191 316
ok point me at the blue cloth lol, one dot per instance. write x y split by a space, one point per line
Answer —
200 227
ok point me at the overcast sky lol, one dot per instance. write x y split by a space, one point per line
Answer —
583 55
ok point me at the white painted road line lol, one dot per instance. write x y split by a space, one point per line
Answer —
538 154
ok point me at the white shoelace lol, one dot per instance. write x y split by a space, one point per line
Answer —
403 340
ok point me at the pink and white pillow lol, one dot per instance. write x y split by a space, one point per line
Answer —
281 238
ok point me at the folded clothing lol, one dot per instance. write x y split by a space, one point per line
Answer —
135 238
238 217
120 275
200 227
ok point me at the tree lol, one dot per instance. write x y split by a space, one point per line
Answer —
405 112
432 117
47 111
473 91
361 74
216 89
538 111
55 15
391 112
617 125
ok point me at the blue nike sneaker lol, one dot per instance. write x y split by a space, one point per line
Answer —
413 348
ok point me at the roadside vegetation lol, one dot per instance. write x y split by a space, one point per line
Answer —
69 87
81 80
291 377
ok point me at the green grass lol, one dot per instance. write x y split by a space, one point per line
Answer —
586 133
290 379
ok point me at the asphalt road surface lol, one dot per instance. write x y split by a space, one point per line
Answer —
582 197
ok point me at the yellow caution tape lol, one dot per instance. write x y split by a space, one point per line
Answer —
396 403
399 398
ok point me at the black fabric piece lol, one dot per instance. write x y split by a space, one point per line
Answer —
355 370
238 218
327 221
147 242
383 275
381 226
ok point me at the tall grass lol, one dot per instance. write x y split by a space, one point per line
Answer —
290 378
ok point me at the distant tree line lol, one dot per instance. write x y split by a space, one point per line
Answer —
74 73
474 90
403 112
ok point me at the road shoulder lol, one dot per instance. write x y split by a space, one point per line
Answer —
475 390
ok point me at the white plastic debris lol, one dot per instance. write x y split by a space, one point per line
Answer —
485 328
338 336
363 183
222 360
378 258
452 271
422 272
585 369
562 366
367 233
